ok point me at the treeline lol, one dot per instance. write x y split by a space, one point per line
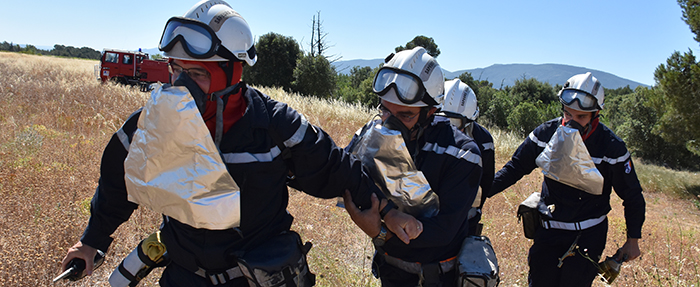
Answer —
634 115
58 50
649 120
283 64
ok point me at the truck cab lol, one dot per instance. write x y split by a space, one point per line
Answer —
131 67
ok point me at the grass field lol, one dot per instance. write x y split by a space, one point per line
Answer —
56 119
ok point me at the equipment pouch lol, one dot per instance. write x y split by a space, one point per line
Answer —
477 263
280 261
529 214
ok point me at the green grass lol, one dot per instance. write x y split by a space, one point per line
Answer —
680 184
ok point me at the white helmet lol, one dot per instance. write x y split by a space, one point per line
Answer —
414 75
210 31
582 92
460 101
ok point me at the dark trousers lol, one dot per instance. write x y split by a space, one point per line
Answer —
392 276
474 227
577 270
175 276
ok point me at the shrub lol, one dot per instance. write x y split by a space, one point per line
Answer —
524 118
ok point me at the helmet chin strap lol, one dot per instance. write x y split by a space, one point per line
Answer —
468 129
423 121
227 67
423 115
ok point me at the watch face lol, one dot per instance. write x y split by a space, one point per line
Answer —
380 239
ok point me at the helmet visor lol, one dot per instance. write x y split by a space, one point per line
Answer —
198 39
585 100
409 88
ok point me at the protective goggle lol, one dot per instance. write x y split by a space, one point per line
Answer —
198 40
458 120
585 100
409 87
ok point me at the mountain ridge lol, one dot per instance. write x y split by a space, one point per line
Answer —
502 75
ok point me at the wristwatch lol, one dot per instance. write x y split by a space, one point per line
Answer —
380 239
388 207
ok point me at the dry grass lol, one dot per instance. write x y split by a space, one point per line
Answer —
56 120
505 143
339 119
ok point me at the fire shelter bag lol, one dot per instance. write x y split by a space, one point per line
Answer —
477 263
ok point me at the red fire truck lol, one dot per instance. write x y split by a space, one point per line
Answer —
131 68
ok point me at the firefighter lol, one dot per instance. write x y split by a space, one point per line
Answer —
573 229
207 48
410 86
460 106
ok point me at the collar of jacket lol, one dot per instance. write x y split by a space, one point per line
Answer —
256 113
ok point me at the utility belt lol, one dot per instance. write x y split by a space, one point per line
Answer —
476 265
418 268
533 213
220 278
429 274
279 261
575 226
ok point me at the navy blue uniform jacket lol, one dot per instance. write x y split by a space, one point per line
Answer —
252 157
451 162
573 205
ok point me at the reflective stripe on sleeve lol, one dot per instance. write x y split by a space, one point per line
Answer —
298 136
121 134
246 157
488 146
123 138
536 140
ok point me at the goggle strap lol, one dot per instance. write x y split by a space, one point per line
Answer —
453 115
429 100
225 53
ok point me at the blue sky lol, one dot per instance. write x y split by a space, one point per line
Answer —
626 38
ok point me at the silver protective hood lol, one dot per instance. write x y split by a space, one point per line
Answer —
173 166
566 160
384 153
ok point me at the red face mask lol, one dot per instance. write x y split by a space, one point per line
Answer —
218 77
